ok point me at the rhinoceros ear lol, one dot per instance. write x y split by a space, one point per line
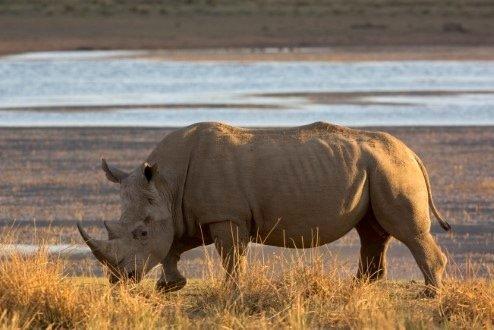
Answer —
150 171
113 174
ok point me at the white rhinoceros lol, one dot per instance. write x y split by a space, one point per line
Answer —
289 187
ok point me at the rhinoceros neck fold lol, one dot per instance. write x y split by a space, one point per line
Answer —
172 155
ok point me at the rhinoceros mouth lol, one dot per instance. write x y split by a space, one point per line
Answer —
131 275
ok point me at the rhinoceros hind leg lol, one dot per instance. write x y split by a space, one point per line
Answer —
400 201
430 260
407 227
231 242
374 242
406 218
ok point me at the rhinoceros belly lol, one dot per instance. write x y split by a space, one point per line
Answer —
307 194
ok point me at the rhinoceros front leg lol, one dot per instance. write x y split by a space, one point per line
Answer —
171 279
231 241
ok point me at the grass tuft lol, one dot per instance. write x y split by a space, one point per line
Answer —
469 303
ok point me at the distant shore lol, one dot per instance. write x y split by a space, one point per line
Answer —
340 30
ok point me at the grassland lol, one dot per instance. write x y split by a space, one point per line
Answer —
35 293
377 27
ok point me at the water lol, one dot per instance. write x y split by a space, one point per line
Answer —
137 92
57 250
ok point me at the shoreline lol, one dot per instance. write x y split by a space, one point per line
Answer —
280 53
327 54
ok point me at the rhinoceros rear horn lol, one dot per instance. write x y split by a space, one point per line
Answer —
102 250
113 229
112 173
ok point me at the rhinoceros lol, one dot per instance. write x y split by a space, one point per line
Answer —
293 187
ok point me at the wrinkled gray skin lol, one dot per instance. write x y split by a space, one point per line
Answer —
295 187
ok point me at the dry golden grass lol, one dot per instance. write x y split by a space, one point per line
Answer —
34 293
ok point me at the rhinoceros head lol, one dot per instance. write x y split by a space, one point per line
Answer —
144 234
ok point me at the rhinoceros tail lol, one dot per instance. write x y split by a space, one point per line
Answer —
443 223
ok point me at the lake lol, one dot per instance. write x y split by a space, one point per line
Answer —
118 88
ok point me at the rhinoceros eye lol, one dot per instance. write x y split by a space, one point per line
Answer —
147 220
139 233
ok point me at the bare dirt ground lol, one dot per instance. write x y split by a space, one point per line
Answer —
51 177
354 30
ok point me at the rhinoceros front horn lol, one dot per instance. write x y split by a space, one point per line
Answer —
102 250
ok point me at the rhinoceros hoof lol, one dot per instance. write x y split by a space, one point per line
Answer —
171 286
428 292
